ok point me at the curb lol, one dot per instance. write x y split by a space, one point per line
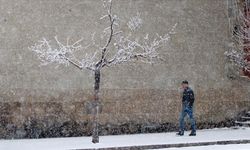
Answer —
142 147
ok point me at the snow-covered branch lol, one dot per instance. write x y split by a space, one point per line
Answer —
238 58
62 54
239 24
135 22
145 51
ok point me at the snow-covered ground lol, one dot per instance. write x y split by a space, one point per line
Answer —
131 140
215 147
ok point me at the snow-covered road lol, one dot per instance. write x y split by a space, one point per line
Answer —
127 140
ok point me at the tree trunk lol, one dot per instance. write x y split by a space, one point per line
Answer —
95 112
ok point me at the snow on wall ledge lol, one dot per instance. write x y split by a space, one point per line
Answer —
48 101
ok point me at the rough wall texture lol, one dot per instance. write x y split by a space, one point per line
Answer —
48 101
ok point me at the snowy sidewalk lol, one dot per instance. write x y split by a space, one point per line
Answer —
213 135
215 147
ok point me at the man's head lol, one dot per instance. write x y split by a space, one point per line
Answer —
184 84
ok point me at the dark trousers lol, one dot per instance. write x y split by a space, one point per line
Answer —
186 110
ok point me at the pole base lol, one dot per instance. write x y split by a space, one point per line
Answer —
95 140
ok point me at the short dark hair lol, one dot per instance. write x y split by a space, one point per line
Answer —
185 82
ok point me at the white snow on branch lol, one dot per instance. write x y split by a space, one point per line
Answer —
238 58
62 54
128 50
135 22
239 22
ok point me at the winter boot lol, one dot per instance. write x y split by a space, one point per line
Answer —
180 133
193 133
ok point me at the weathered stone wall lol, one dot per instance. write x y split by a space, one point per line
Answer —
45 101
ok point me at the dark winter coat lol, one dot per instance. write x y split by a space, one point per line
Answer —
188 97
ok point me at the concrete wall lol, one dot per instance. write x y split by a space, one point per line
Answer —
48 101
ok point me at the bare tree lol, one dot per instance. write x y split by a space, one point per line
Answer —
117 49
239 24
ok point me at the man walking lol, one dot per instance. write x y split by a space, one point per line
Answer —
187 109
